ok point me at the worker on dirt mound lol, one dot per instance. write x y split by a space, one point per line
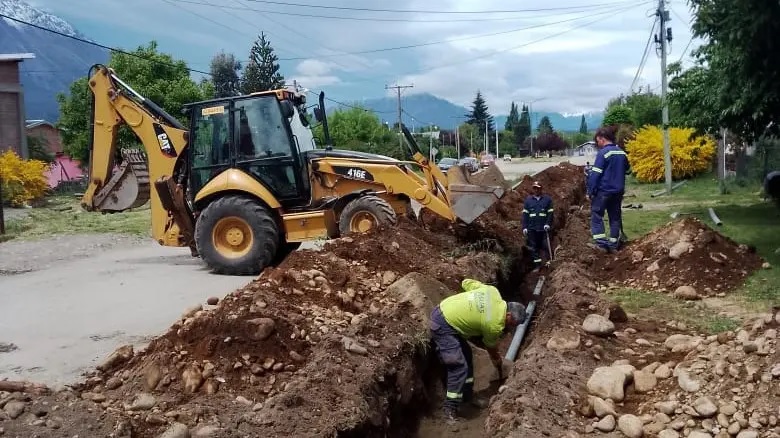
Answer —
606 186
537 222
478 312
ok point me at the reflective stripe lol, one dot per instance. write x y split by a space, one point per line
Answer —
533 214
599 236
611 153
613 240
550 210
525 211
470 380
454 395
537 260
597 170
543 214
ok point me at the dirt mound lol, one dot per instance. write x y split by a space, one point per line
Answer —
686 252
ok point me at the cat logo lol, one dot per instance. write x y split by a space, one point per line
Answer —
165 143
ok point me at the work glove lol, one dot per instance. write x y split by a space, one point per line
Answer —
525 231
546 228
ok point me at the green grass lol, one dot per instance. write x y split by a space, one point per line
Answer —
746 219
692 314
64 215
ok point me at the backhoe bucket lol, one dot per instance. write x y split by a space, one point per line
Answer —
472 195
129 185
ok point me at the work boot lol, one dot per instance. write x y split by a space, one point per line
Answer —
598 247
450 415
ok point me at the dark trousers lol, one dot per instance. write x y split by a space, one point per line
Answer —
611 203
455 353
536 244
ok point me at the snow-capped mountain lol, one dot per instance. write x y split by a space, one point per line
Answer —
58 60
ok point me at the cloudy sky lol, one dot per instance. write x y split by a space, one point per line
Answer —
572 54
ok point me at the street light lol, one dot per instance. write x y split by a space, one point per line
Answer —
530 120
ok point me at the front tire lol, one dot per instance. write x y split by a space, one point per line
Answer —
365 214
236 235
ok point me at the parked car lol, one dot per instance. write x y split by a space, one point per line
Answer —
446 163
471 163
487 160
507 157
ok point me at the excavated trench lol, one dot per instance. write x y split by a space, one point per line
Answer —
418 415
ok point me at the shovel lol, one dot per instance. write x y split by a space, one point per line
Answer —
549 246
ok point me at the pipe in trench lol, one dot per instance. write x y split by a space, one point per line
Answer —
517 339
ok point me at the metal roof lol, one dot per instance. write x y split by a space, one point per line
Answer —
35 123
16 56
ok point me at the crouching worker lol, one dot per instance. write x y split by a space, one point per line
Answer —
478 312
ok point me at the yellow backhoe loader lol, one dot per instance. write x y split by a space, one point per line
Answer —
245 183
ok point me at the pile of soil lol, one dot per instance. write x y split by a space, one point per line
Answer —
685 253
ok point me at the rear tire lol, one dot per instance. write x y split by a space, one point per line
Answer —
236 235
364 214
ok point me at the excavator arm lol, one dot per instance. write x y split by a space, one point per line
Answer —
115 103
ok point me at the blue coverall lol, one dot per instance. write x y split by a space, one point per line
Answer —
606 186
537 212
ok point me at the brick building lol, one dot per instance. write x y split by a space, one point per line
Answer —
12 124
46 131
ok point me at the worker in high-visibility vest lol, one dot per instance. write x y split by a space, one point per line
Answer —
478 312
606 186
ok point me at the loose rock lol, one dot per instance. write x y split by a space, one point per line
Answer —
598 325
607 382
631 426
563 340
606 424
176 430
705 407
686 293
644 381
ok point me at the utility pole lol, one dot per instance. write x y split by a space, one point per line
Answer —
400 131
496 143
663 39
486 137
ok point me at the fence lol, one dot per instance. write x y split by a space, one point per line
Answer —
750 165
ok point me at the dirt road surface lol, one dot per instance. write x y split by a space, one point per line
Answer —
69 301
516 170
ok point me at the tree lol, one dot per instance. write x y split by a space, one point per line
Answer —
38 148
737 66
224 75
549 142
583 125
514 118
545 126
618 115
479 114
157 76
359 129
469 137
262 71
523 128
691 155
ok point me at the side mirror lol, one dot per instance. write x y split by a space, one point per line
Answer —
318 114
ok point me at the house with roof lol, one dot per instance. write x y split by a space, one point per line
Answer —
64 168
12 117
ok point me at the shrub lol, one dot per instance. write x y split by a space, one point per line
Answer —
691 155
23 180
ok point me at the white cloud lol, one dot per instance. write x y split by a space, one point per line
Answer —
578 70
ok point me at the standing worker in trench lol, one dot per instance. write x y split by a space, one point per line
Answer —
606 186
478 312
537 221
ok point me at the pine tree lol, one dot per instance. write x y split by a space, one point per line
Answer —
545 126
479 114
262 71
583 125
224 75
513 119
523 128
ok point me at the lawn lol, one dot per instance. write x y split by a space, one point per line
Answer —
64 215
746 219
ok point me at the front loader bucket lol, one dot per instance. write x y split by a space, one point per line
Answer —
129 185
473 194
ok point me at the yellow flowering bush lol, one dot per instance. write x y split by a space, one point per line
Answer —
22 180
691 155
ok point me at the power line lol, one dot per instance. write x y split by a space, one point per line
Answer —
423 11
92 43
202 17
644 55
336 17
452 40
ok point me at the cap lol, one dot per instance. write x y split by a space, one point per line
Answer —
536 184
517 311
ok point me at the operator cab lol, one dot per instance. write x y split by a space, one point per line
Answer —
264 134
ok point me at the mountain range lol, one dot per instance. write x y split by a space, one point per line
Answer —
60 60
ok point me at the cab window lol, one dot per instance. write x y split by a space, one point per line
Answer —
260 129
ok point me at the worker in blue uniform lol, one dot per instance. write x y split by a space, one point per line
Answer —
537 221
606 187
477 312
